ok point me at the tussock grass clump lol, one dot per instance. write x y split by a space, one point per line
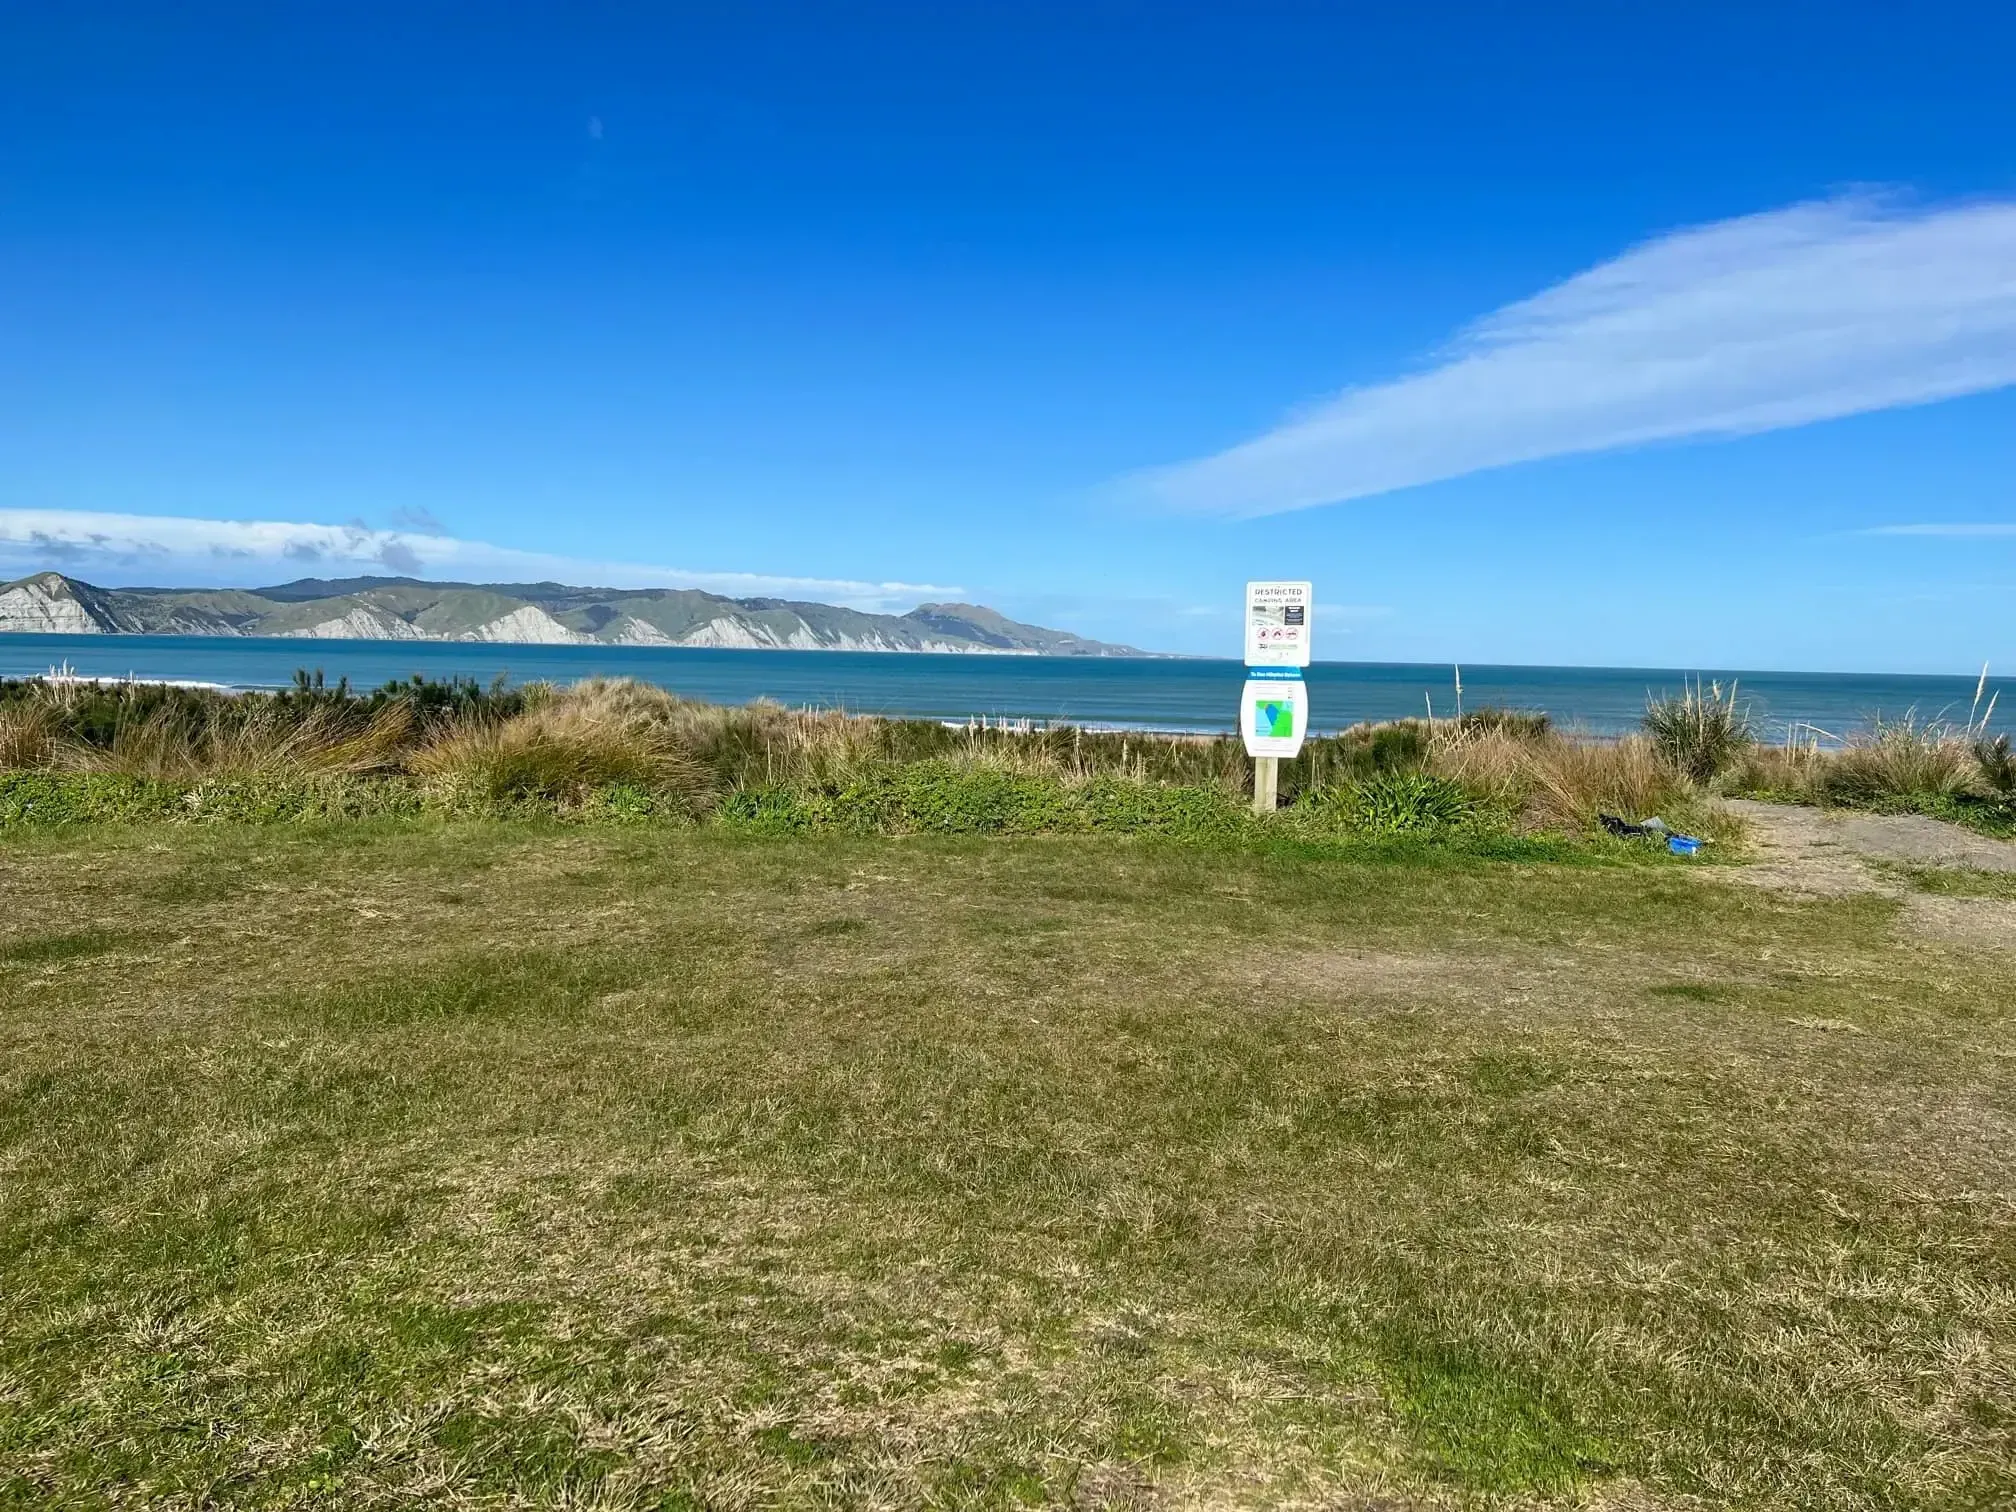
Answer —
1901 766
28 734
1556 783
567 748
1702 732
1900 760
1788 772
1575 782
192 734
270 742
1995 764
763 744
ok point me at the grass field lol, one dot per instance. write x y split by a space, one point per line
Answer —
517 1164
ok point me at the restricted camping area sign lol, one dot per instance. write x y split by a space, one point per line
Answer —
1277 624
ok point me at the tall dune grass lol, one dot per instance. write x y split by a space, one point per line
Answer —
272 743
1555 782
565 747
29 732
1996 764
1899 759
562 746
1894 759
1904 765
1703 732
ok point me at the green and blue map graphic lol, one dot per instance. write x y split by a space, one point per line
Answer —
1274 718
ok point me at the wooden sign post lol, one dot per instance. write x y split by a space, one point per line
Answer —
1266 784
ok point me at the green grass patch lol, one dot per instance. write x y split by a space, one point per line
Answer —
530 1163
68 945
1695 992
1963 882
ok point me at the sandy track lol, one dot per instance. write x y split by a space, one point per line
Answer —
1816 854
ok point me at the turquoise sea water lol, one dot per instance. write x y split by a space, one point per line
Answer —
1173 694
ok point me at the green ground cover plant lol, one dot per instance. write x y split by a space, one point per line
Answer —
521 1163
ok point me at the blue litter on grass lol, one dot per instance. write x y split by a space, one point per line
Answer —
1682 845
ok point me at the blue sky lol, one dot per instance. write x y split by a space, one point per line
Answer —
1568 334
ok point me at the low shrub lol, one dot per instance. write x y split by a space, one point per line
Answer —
944 798
435 704
1191 813
1372 750
1338 762
1393 803
622 803
53 798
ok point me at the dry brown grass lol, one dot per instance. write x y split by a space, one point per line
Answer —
28 735
272 744
1904 759
568 746
1900 758
1791 769
1555 782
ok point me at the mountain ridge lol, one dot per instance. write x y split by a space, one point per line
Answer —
406 608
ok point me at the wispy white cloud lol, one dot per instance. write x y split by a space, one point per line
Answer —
1963 530
1803 314
165 550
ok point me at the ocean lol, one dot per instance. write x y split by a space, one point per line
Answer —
1149 693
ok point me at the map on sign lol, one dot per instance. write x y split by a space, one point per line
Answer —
1274 718
1277 624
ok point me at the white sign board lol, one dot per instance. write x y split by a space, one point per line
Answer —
1277 624
1274 715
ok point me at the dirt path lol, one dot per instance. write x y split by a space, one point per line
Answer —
1816 854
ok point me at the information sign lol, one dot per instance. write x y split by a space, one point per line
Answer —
1277 624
